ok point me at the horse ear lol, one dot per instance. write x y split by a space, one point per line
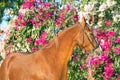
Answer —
83 22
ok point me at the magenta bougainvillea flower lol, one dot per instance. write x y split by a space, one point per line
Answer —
68 7
111 33
27 5
108 23
117 50
29 40
117 40
34 48
104 57
105 44
42 40
76 18
95 61
30 1
60 19
75 59
20 16
47 4
108 70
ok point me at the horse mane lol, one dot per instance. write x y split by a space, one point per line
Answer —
58 35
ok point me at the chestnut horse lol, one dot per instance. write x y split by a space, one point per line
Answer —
50 62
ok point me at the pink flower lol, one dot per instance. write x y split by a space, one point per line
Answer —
40 9
22 23
47 4
75 59
111 33
100 34
16 23
49 14
42 40
117 40
44 34
105 44
37 41
29 1
68 7
9 53
108 23
104 57
59 20
27 5
58 23
95 61
117 50
20 16
34 22
34 48
62 15
39 1
108 71
83 66
76 18
8 32
29 40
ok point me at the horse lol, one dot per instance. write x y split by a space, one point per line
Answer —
49 62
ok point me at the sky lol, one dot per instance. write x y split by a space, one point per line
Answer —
3 25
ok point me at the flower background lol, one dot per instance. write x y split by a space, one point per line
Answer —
37 22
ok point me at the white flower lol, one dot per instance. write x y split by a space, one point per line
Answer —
23 11
2 51
15 17
116 16
80 15
9 11
89 8
24 49
103 7
28 47
18 45
99 23
86 15
101 14
110 3
102 41
95 26
1 46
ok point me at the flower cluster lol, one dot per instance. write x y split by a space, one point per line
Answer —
36 24
108 71
105 39
42 40
106 30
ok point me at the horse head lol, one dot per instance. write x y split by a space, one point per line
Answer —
85 38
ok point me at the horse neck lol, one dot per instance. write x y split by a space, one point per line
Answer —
66 42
